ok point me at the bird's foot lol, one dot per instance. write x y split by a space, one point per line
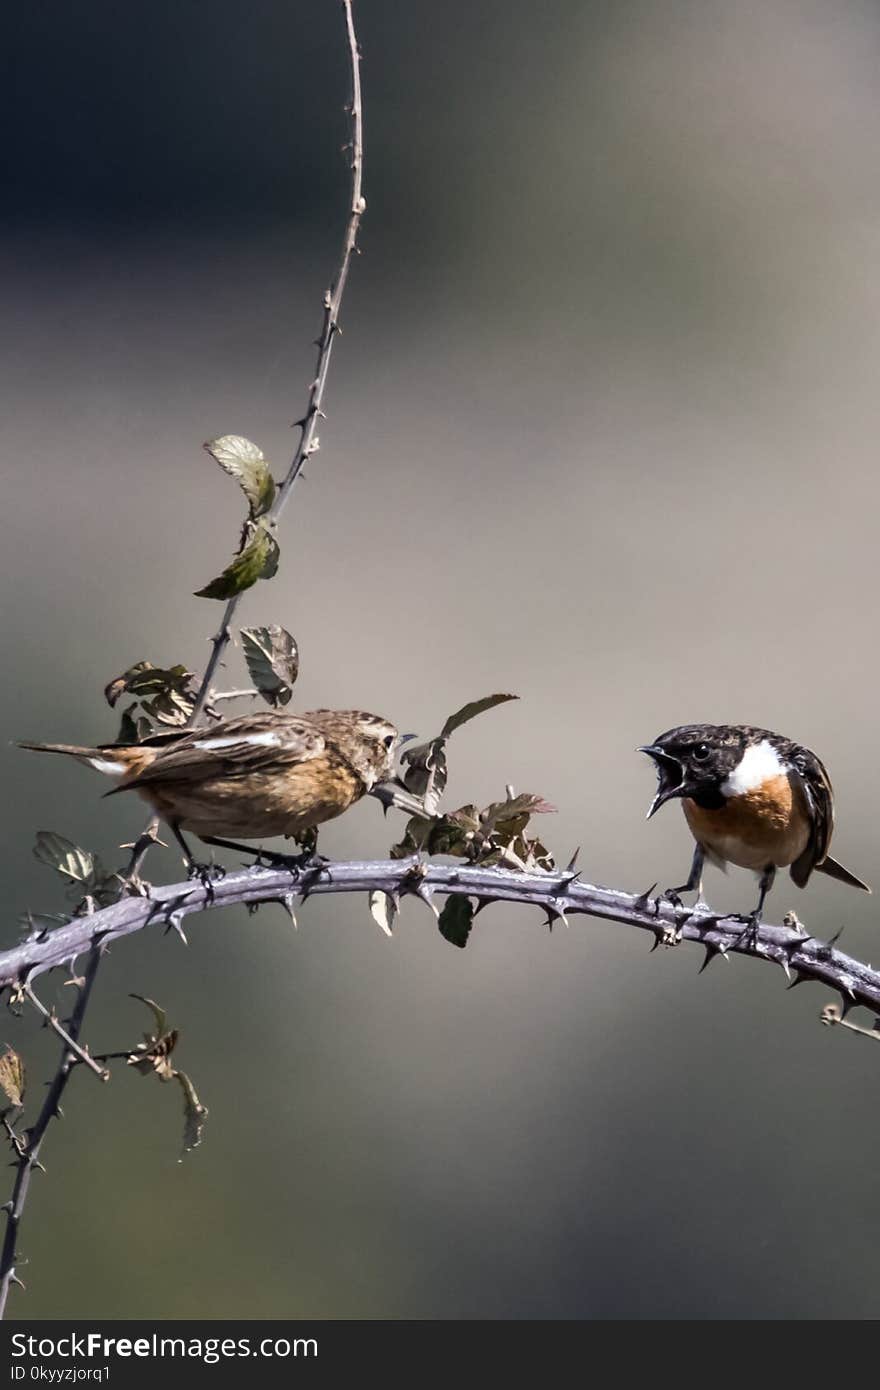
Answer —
673 897
748 937
206 874
297 863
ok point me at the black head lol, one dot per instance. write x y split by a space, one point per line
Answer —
694 760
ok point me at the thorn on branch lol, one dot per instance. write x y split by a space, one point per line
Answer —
712 952
175 923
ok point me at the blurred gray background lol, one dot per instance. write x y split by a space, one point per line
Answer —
602 431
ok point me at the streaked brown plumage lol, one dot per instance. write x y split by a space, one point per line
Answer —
253 777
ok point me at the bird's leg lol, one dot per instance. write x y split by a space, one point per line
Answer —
753 919
268 856
194 869
695 880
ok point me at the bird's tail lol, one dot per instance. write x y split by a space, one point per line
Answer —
112 762
831 867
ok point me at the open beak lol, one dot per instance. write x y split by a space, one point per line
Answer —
670 775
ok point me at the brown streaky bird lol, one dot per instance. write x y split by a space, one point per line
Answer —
253 777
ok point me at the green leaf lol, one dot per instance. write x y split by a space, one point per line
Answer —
133 730
258 559
471 711
65 857
127 727
456 919
194 1113
383 910
272 660
244 461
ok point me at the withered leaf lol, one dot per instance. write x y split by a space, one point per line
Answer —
158 1014
425 772
39 922
144 680
244 461
456 919
153 1055
170 707
258 559
194 1113
383 910
272 660
12 1078
415 838
441 835
66 858
471 711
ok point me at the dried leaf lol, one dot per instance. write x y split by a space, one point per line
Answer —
471 711
425 772
40 922
12 1078
526 804
167 695
456 919
194 1113
452 834
272 660
144 679
65 857
258 559
244 461
153 1055
383 909
158 1014
169 707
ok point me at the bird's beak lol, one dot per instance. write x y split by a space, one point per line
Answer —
670 776
405 738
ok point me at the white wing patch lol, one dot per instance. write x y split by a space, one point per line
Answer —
759 763
108 766
266 740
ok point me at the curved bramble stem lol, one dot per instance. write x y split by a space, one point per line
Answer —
559 894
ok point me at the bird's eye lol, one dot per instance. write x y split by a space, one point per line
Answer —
388 741
701 752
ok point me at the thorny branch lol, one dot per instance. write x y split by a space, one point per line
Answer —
27 1148
558 893
308 440
27 1144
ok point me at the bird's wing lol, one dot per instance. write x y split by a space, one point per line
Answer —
817 786
235 747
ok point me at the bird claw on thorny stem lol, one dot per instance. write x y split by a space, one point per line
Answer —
748 937
205 873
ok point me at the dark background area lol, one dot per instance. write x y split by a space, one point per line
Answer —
602 431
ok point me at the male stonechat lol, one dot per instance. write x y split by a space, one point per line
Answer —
751 798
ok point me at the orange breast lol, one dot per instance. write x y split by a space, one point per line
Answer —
769 824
